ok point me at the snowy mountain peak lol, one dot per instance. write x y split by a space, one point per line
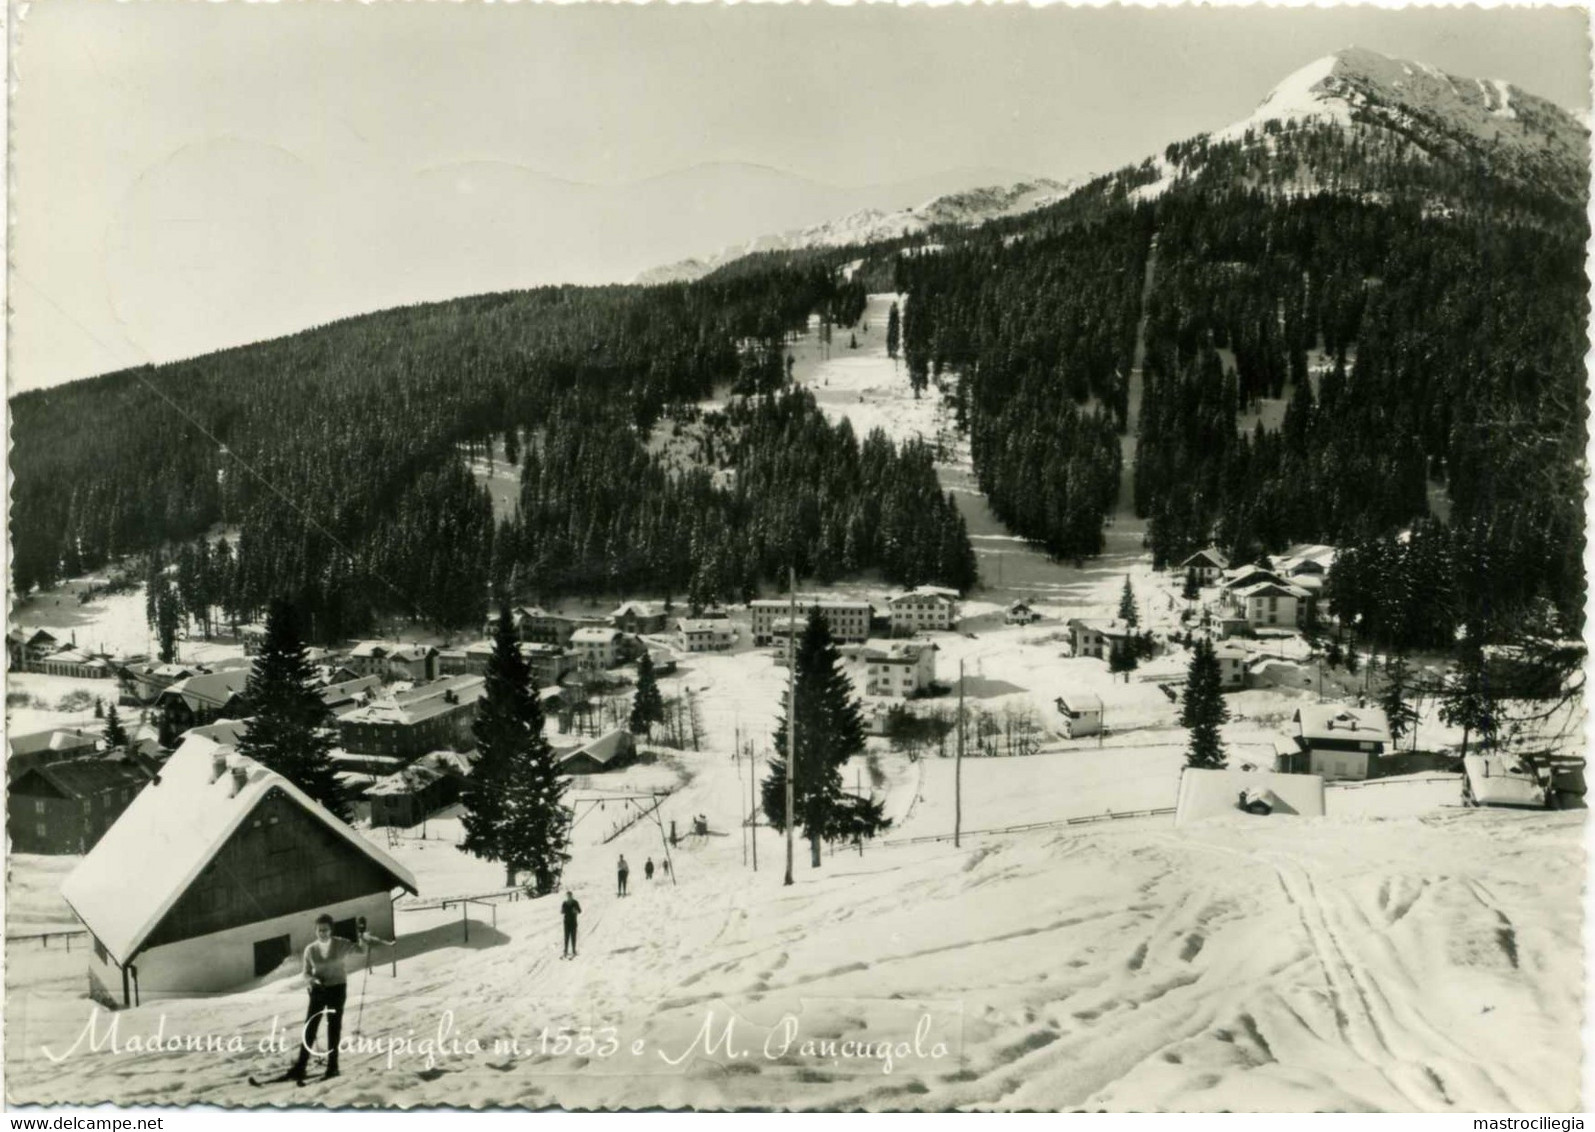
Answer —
1358 84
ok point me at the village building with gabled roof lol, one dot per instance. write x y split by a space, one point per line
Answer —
610 751
1334 741
1207 565
201 698
1020 612
54 744
923 608
213 877
66 807
596 647
1081 712
1097 638
408 724
640 617
705 634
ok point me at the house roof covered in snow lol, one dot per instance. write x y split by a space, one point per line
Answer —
594 635
1115 628
1272 589
703 625
1497 781
1214 793
922 593
55 739
374 649
421 702
1080 701
639 609
1249 576
171 831
604 749
896 652
223 731
1337 721
81 778
207 689
1212 556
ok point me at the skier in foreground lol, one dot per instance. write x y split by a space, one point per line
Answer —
570 910
622 870
648 869
328 980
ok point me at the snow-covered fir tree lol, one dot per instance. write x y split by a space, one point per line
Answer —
513 798
647 705
1204 709
289 729
830 728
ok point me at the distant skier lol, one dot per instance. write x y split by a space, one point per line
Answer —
329 988
621 872
664 866
570 910
648 869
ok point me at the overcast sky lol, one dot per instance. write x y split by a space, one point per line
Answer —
190 176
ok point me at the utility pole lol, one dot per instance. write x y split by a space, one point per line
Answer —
736 760
791 710
958 762
753 808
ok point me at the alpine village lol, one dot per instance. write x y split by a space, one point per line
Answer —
1119 642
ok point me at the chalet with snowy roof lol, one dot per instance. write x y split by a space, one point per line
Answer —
214 876
923 608
640 617
848 620
408 724
898 668
1021 612
66 807
1207 565
610 751
595 647
25 647
1272 605
1098 638
704 634
1334 741
202 698
1081 712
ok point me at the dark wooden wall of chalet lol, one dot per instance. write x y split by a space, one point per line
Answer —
280 860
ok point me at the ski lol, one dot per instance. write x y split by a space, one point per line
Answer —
262 1082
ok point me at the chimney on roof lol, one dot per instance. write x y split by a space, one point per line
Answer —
240 779
218 765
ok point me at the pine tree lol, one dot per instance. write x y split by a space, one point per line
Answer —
1467 701
830 728
289 726
1204 709
115 733
1122 658
647 705
512 797
1393 700
893 335
1127 611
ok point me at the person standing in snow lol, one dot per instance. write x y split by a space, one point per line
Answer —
329 988
648 869
570 910
621 870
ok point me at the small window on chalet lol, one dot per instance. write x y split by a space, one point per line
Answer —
38 806
269 954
